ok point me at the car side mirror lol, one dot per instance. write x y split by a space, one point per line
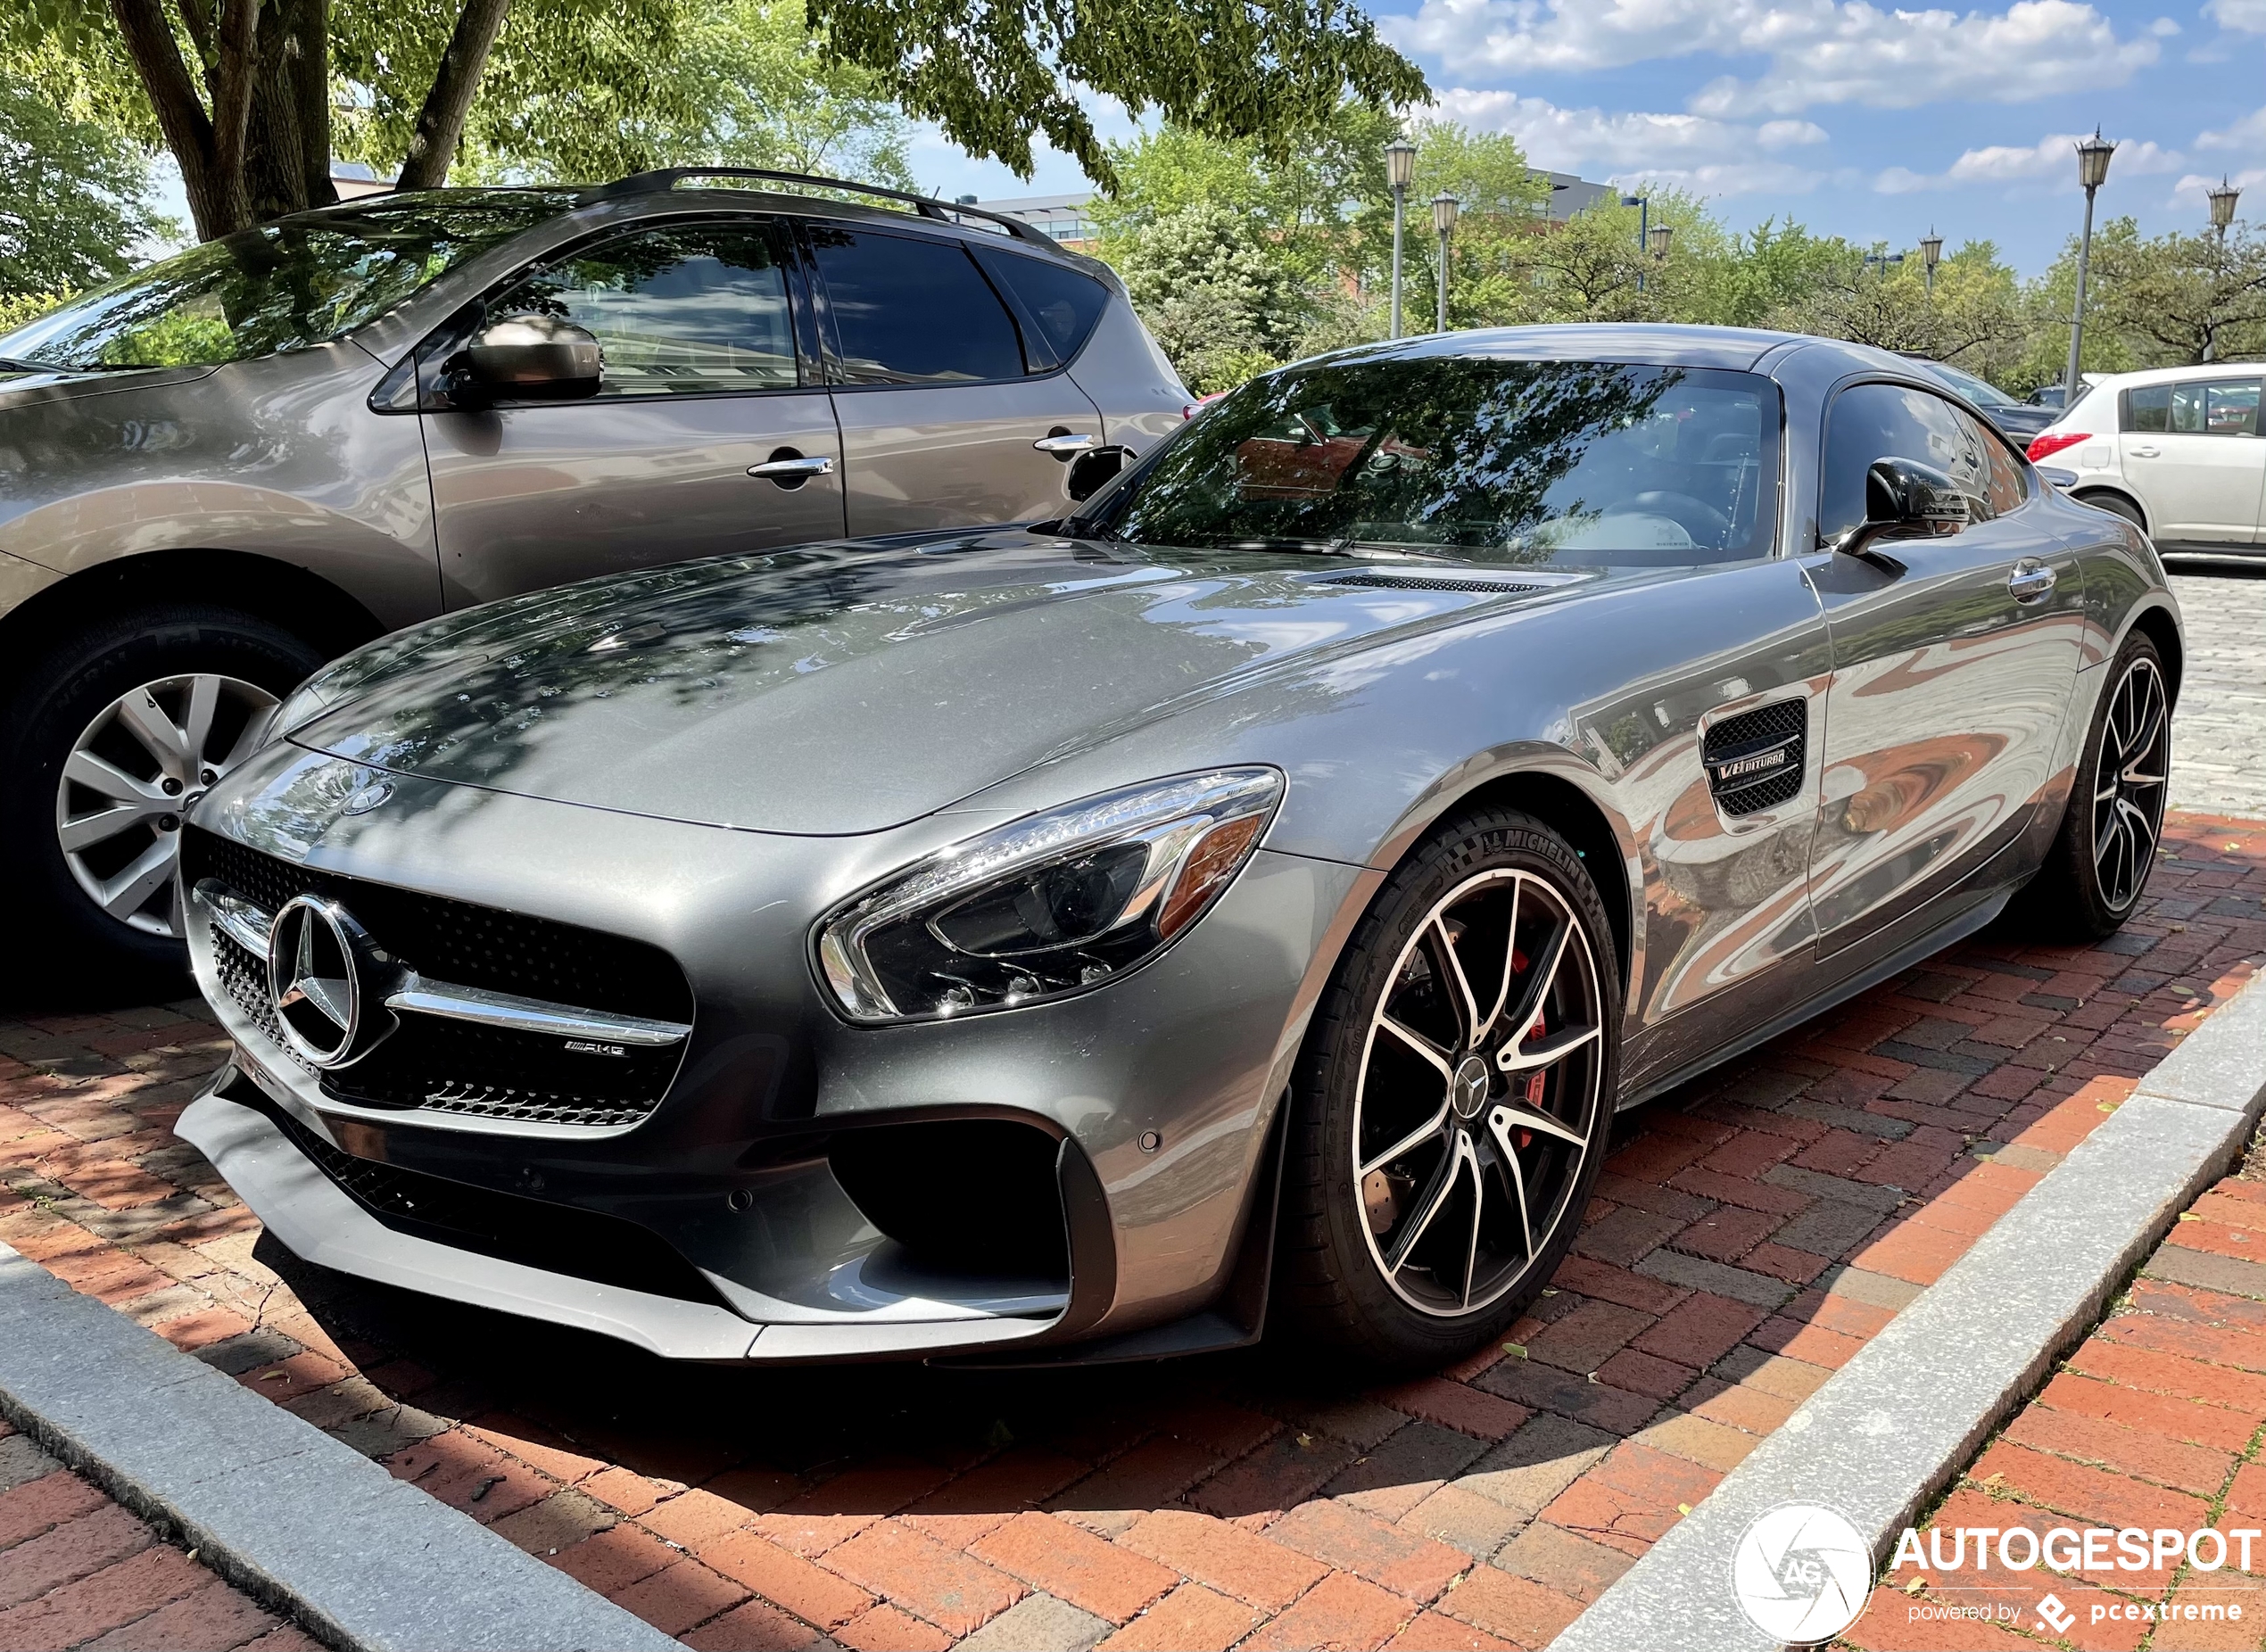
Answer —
531 358
1903 499
1093 470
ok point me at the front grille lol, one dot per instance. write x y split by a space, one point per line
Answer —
1752 736
455 1067
1427 581
557 1238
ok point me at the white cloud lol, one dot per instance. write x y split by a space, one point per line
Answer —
2247 17
1692 152
2049 160
1818 51
2246 136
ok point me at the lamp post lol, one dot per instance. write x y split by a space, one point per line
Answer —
1879 261
1643 205
2092 172
2223 216
1400 169
1444 208
1930 255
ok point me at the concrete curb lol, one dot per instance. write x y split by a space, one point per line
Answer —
293 1517
1891 1428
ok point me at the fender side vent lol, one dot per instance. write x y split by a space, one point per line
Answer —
1755 760
1427 581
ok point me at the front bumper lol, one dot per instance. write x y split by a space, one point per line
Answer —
736 1173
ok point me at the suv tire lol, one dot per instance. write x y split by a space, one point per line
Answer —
109 688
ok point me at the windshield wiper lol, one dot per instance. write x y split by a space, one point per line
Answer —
17 364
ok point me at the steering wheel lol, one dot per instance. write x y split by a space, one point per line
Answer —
1695 517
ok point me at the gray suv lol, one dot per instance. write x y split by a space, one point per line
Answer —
222 471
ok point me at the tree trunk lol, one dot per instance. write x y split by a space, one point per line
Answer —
216 199
440 124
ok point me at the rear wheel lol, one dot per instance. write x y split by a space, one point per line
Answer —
1453 1099
113 731
2116 505
2099 864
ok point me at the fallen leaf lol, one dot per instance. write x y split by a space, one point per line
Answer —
1517 1348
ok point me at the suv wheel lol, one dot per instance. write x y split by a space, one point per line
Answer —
117 730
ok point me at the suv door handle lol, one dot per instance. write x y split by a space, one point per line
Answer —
2031 581
788 472
1063 445
2145 452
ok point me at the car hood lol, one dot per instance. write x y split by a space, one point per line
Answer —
846 689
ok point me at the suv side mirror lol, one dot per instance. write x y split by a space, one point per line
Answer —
1091 470
532 357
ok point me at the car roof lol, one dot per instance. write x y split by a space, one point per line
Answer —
2175 376
1643 343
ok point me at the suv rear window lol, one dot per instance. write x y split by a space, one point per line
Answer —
910 310
298 282
1064 304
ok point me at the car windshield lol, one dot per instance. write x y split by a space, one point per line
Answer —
300 281
1982 393
1575 463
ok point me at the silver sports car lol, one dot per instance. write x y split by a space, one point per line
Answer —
1248 898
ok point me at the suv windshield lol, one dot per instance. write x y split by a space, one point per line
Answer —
300 281
1577 463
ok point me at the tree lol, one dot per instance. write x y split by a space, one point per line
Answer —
71 199
1222 309
2175 297
1976 316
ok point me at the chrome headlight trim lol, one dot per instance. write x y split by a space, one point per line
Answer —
1170 818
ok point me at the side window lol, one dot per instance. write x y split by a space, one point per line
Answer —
2002 477
2148 408
909 311
1065 303
2215 407
1870 422
691 309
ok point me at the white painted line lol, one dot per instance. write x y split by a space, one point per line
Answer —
295 1518
1891 1428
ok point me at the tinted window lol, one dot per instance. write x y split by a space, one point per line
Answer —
695 308
2216 408
2008 486
1530 462
1872 422
286 285
1063 303
2148 407
909 312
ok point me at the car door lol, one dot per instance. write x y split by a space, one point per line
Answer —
704 385
2192 452
948 414
1954 661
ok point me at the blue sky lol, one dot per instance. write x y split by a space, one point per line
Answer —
1859 120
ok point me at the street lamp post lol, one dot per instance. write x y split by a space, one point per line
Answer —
1930 255
1643 205
1400 169
2092 172
1444 208
2223 216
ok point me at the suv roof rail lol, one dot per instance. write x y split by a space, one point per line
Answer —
928 206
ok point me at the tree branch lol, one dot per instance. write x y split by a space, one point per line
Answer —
310 84
216 202
440 124
238 33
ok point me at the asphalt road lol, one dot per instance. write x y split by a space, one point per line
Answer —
2218 733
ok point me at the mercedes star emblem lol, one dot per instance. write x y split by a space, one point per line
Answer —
314 980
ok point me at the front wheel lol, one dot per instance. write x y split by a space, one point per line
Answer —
1453 1099
2100 862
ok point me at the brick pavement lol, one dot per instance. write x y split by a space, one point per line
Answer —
2157 1421
2222 701
1750 1233
77 1570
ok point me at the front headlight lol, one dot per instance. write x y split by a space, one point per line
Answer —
1045 907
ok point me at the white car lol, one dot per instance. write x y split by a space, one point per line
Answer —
2175 450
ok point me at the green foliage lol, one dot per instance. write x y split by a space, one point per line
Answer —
1977 316
70 198
1222 308
998 74
18 307
2168 298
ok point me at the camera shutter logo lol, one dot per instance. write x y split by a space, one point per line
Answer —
1801 1573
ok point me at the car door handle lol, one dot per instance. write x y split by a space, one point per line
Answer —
785 470
1067 445
2032 581
2143 453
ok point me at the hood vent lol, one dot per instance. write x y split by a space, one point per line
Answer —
1427 581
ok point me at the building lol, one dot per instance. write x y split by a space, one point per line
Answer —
1063 217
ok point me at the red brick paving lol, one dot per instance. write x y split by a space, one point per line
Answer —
1748 1233
2166 1438
77 1570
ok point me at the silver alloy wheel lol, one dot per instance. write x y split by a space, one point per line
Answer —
2128 784
143 758
1478 1091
